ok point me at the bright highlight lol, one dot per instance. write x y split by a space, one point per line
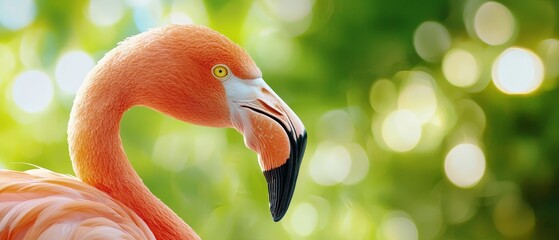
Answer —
290 10
401 130
465 165
105 12
517 71
397 226
71 70
179 18
148 16
18 14
32 91
304 219
274 48
419 97
460 68
330 164
169 152
493 23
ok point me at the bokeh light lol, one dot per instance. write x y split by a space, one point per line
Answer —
186 12
290 10
465 165
405 139
138 3
431 40
148 16
354 222
32 91
460 68
170 152
71 70
274 47
304 219
401 130
15 15
359 164
330 164
397 226
418 96
105 12
295 16
179 18
494 24
517 71
336 125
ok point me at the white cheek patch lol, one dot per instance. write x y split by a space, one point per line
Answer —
240 90
237 91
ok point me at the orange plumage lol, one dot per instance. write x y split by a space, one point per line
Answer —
39 204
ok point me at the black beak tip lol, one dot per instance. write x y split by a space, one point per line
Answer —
277 217
282 180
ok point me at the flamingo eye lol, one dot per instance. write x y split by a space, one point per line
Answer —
220 71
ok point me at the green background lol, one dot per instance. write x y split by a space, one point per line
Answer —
323 63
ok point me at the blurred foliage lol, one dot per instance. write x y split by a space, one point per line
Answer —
360 179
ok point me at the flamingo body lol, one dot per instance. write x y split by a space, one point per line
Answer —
40 204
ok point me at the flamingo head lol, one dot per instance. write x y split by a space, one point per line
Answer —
225 88
271 129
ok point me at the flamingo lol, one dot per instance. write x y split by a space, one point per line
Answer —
191 73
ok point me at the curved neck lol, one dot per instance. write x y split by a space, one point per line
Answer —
99 159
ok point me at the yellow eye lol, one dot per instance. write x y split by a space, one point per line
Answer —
220 71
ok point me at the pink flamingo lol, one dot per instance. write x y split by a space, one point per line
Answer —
191 73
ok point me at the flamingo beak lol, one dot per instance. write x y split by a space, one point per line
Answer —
273 131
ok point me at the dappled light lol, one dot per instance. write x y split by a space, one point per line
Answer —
32 91
397 226
304 219
105 12
460 68
71 70
425 119
401 130
419 96
15 15
330 164
518 71
465 165
494 23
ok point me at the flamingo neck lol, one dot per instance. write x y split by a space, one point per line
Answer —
99 159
